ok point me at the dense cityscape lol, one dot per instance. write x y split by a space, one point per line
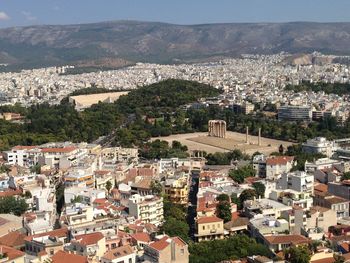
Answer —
199 141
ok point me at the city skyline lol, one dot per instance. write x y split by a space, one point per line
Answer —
20 13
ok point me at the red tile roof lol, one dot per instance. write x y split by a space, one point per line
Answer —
89 239
208 219
62 232
118 252
279 160
160 245
11 252
58 150
23 147
65 257
13 239
143 237
11 192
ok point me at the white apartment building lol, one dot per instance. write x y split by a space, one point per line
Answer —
320 164
18 155
147 208
319 145
277 165
297 181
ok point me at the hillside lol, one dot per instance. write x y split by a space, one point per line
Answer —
160 42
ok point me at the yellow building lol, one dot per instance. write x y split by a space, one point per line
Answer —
177 189
209 228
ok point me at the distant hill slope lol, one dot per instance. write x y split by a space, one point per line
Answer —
160 42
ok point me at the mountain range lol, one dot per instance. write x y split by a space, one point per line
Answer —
133 41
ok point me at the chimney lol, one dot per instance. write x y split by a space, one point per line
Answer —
259 138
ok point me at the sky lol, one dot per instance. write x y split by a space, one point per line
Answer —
37 12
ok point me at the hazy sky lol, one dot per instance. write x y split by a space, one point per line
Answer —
29 12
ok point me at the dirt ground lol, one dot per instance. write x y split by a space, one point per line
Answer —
234 140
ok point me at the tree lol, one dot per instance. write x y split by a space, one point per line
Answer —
27 194
156 187
108 186
13 205
223 197
259 189
36 169
241 173
300 254
234 247
175 227
247 194
345 176
236 200
223 211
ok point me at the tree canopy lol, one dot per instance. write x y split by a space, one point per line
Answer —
238 246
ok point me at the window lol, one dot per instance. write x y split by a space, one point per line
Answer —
203 227
182 251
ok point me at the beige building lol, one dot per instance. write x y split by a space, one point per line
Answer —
123 254
79 215
177 189
148 208
92 246
321 217
209 228
167 250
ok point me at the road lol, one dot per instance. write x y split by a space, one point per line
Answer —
191 212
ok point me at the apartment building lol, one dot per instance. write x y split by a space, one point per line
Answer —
338 204
209 228
321 164
18 155
167 250
78 215
92 246
295 113
79 178
297 181
147 208
177 189
277 165
319 145
123 254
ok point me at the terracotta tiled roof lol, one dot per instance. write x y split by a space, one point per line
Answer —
321 187
179 241
62 232
160 245
100 201
143 237
118 252
22 147
208 219
58 150
11 252
11 193
286 239
89 239
279 160
13 239
65 257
